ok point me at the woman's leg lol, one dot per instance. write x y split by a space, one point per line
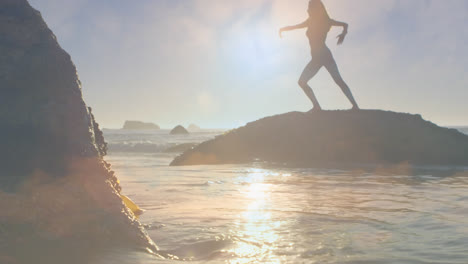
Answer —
309 72
332 68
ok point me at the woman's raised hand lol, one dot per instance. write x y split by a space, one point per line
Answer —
341 38
281 32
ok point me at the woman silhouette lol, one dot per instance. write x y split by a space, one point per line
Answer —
318 24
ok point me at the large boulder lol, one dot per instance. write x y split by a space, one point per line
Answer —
138 125
179 130
335 137
55 187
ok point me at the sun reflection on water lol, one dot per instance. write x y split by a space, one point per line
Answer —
257 230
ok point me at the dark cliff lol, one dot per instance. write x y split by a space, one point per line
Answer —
43 118
53 179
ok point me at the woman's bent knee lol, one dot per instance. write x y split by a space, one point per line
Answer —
302 83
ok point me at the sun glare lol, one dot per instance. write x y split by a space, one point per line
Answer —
257 229
254 50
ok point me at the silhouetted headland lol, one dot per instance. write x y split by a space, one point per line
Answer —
337 137
55 187
138 125
179 130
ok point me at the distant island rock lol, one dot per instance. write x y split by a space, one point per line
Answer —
343 137
193 127
179 130
138 125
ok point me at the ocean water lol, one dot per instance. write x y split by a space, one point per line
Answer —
463 129
257 213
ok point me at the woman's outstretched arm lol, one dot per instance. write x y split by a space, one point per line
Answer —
342 36
289 28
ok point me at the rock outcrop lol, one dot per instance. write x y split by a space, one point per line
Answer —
179 130
335 137
54 184
138 125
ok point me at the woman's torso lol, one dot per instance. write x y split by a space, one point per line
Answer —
317 32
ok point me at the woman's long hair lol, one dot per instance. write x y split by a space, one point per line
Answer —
319 15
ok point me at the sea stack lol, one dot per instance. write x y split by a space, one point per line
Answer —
179 130
138 125
335 137
54 182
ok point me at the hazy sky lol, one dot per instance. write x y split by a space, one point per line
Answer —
220 63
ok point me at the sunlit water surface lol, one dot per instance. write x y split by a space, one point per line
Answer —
263 214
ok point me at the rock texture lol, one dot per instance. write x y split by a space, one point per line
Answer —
179 130
54 182
43 117
138 125
311 139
